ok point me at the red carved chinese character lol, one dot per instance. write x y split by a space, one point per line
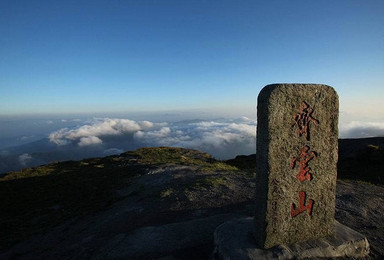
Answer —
302 120
302 207
303 160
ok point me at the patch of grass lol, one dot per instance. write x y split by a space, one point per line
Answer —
166 193
30 172
209 182
220 166
373 147
180 156
364 182
169 155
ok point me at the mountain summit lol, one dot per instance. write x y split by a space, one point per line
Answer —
149 203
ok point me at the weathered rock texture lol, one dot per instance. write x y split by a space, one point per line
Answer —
297 150
234 240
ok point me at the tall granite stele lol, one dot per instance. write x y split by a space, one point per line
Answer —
297 152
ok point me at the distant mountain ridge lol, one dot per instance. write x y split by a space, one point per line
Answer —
350 147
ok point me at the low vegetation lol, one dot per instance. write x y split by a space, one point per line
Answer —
166 193
209 182
179 156
36 199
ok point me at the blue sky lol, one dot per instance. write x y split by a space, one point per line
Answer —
126 56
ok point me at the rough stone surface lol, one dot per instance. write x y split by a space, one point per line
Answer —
281 217
153 241
234 240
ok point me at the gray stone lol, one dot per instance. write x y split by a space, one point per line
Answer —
155 241
234 240
297 149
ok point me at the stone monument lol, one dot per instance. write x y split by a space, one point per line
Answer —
297 153
297 149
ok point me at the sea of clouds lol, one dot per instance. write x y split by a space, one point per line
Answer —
222 138
75 139
361 129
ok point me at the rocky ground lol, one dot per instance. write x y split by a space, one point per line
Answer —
360 206
149 204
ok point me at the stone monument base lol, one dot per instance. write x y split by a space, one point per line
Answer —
234 240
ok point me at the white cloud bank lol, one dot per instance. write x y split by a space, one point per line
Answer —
91 134
24 159
89 140
222 138
359 129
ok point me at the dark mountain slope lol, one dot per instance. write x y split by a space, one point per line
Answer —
149 203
